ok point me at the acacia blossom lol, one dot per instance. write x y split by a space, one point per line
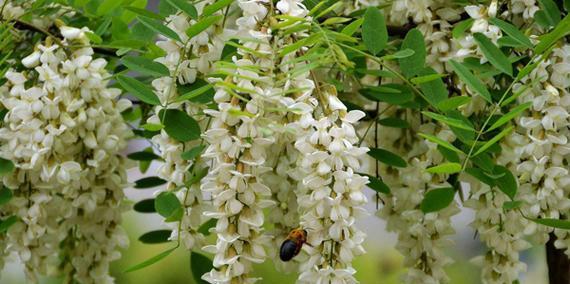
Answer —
422 237
238 151
64 133
330 195
537 152
189 61
294 95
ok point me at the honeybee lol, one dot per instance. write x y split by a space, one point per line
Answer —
292 245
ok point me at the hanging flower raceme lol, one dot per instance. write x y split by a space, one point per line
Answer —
293 96
64 131
537 151
238 151
330 196
189 61
422 236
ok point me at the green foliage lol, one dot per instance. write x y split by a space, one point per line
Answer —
138 89
445 168
179 125
5 195
145 206
6 166
412 65
437 199
374 32
512 31
377 184
199 265
185 7
168 206
145 66
151 260
202 25
155 237
149 182
493 54
193 153
473 82
158 27
387 157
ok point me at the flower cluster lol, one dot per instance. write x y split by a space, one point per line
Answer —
330 195
537 152
238 151
422 237
64 132
188 60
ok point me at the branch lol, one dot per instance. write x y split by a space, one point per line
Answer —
21 25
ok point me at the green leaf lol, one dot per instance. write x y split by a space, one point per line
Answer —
510 205
194 93
167 204
179 125
445 168
480 175
413 64
493 140
205 228
437 199
197 176
435 90
106 7
145 13
158 27
510 115
143 156
376 184
7 223
94 38
547 40
151 260
200 265
390 93
512 31
457 123
440 142
453 103
145 66
351 28
193 153
394 122
549 12
202 25
149 182
555 223
387 157
152 127
460 28
374 32
184 6
473 82
145 206
427 78
155 237
448 154
5 195
493 54
6 166
218 5
403 53
138 89
507 183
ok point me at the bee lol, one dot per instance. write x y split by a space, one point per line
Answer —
292 245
